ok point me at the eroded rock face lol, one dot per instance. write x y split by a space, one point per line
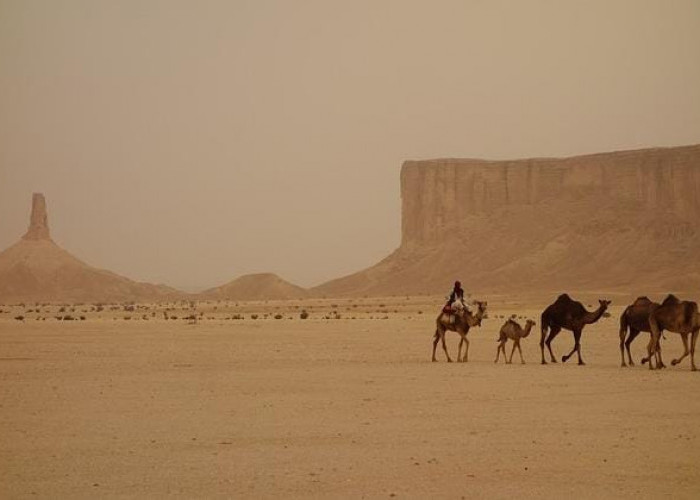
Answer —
626 221
440 196
38 221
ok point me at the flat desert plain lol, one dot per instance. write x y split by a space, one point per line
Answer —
332 406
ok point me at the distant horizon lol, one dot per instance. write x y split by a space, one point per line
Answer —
196 289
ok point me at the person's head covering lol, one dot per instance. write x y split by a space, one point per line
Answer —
458 284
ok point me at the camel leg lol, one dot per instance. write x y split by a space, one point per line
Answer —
459 349
501 345
436 339
566 357
659 361
686 351
552 333
653 345
444 346
576 349
692 350
623 334
628 343
466 350
542 337
520 351
512 351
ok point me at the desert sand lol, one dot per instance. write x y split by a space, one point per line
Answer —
331 406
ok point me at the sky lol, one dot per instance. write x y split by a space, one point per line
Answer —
188 143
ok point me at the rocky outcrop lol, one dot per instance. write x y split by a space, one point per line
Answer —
39 220
262 286
606 221
35 269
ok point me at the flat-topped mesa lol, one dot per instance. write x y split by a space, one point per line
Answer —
441 196
39 220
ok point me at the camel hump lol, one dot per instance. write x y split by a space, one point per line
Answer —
642 301
564 298
671 299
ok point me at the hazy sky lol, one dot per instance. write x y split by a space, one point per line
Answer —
189 142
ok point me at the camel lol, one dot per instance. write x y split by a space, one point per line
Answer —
461 324
635 319
675 316
513 331
570 315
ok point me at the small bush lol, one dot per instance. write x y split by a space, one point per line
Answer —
304 314
278 316
19 318
253 316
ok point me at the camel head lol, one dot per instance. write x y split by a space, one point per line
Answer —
530 323
481 311
604 306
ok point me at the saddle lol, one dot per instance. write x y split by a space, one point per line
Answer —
450 313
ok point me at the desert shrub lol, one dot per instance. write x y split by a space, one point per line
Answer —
68 317
237 316
19 318
82 318
278 316
304 314
62 310
127 318
253 316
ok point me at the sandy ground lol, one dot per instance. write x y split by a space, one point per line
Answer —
333 408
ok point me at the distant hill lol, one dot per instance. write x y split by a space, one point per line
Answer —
264 286
625 221
35 269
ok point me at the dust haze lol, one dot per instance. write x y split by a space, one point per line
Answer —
189 143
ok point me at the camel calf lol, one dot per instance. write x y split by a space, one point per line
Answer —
513 331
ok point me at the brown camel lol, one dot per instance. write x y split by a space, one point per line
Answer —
635 319
675 316
461 324
570 315
513 331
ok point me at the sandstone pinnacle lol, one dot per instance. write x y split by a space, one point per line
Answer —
38 222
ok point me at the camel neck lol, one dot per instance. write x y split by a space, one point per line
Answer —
592 317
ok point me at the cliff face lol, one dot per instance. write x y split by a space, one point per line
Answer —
439 195
624 220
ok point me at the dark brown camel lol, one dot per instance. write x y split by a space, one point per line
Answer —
635 319
675 316
570 315
461 324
